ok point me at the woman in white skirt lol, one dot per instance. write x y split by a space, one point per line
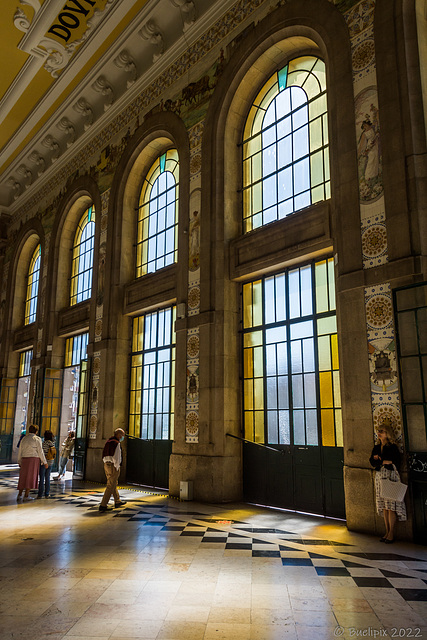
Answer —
385 458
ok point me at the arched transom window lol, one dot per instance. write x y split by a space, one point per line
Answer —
285 146
158 215
81 274
32 286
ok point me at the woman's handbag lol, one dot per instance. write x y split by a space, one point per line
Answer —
393 490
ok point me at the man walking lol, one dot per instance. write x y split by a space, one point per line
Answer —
112 458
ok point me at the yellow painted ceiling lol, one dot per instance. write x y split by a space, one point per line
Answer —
13 61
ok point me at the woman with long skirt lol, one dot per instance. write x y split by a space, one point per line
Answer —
29 458
385 458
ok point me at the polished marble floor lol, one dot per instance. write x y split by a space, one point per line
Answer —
163 569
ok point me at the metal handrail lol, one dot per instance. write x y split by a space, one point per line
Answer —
258 444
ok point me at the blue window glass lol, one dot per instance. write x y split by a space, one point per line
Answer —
285 146
81 274
32 287
158 216
153 376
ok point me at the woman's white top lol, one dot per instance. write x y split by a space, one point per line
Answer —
31 447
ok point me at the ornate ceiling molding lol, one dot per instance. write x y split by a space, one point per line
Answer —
112 84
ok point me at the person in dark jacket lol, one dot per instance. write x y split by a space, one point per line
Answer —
385 458
112 458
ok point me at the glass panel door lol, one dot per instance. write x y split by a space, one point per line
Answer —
82 420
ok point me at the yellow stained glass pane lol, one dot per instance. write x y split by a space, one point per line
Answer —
312 86
252 146
317 194
324 353
317 107
325 129
328 428
248 126
259 426
138 336
256 167
131 426
321 287
325 388
252 339
246 172
248 363
249 425
132 402
247 209
319 71
248 394
338 428
337 388
316 140
258 362
247 306
270 95
259 393
257 305
68 352
304 63
334 349
137 426
316 166
257 197
327 190
257 122
296 78
266 88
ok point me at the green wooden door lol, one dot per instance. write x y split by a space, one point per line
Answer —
291 391
411 341
147 462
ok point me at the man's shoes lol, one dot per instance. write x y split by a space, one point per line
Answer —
102 508
120 504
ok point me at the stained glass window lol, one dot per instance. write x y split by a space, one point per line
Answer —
25 363
32 287
81 273
158 216
76 349
290 358
153 376
285 146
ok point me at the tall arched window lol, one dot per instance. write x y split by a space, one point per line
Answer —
81 274
32 286
158 215
285 146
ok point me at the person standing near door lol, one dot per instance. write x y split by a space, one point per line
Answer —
385 458
66 452
44 472
112 459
